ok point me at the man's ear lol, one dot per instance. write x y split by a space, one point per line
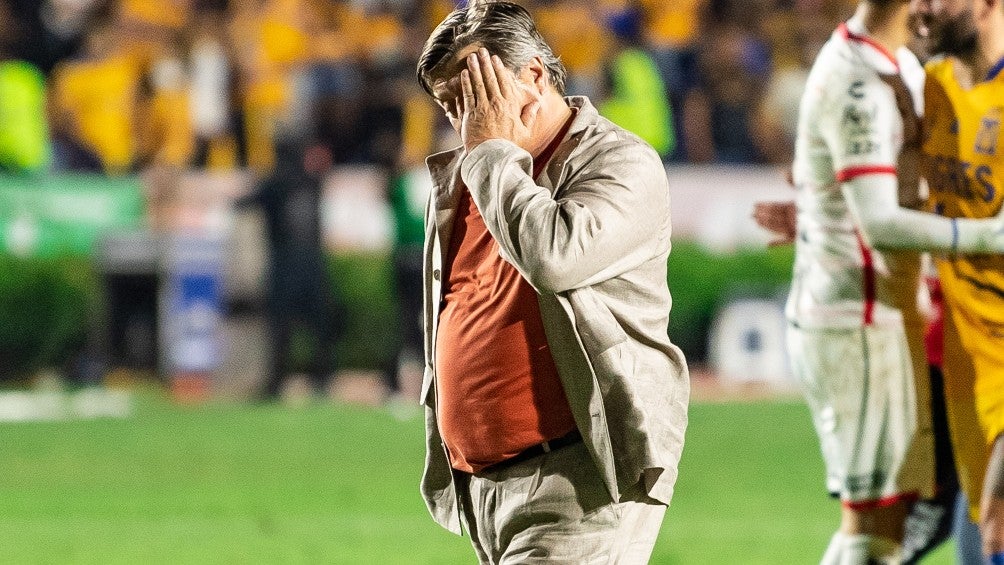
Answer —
537 74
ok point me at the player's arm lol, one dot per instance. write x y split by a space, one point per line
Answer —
864 132
874 201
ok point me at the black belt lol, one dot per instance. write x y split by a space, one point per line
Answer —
570 438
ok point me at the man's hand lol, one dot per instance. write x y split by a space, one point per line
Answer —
997 245
779 218
494 105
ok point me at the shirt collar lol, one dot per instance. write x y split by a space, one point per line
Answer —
854 32
995 70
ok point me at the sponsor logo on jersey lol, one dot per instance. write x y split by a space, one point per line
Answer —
858 147
857 90
857 120
964 179
856 123
990 132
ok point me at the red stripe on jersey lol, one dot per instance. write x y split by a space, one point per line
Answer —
868 279
851 36
881 502
852 172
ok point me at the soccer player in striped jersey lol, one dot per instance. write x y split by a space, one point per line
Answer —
855 331
964 165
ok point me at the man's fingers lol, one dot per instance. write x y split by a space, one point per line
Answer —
777 217
492 89
468 93
506 80
477 80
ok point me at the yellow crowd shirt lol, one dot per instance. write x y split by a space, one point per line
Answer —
964 166
100 97
167 13
572 30
673 24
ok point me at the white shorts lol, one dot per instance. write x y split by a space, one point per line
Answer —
872 416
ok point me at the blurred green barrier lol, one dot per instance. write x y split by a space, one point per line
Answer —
49 226
370 328
701 280
45 310
52 216
47 303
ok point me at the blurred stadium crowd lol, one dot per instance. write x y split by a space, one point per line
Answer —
118 86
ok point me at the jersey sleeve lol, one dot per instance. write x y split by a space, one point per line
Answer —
862 127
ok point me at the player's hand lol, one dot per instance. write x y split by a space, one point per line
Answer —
990 236
999 228
494 104
779 218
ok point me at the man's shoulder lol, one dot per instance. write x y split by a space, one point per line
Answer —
938 64
940 69
837 82
618 139
839 64
598 137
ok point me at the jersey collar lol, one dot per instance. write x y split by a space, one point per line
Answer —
995 70
854 32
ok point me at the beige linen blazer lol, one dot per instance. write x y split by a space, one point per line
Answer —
593 239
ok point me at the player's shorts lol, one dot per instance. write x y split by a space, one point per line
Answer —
974 397
872 416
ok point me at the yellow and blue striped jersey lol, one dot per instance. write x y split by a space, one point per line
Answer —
964 166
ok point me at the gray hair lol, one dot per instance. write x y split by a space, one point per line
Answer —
503 28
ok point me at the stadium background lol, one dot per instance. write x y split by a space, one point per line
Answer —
129 127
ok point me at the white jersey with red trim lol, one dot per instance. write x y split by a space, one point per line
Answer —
850 127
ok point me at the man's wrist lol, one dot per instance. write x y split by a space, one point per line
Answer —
470 144
976 236
487 155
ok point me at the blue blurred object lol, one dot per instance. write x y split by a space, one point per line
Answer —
968 542
625 24
193 303
756 57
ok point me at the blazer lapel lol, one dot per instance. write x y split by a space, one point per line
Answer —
446 185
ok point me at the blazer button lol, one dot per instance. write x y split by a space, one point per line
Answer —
436 274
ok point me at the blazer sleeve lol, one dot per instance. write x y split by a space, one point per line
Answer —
609 218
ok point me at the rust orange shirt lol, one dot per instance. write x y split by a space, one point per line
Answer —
499 391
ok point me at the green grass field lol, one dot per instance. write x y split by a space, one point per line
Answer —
234 484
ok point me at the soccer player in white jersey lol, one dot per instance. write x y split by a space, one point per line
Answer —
855 328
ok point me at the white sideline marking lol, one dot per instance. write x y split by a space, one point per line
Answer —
52 406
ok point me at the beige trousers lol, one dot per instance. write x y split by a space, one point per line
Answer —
555 509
